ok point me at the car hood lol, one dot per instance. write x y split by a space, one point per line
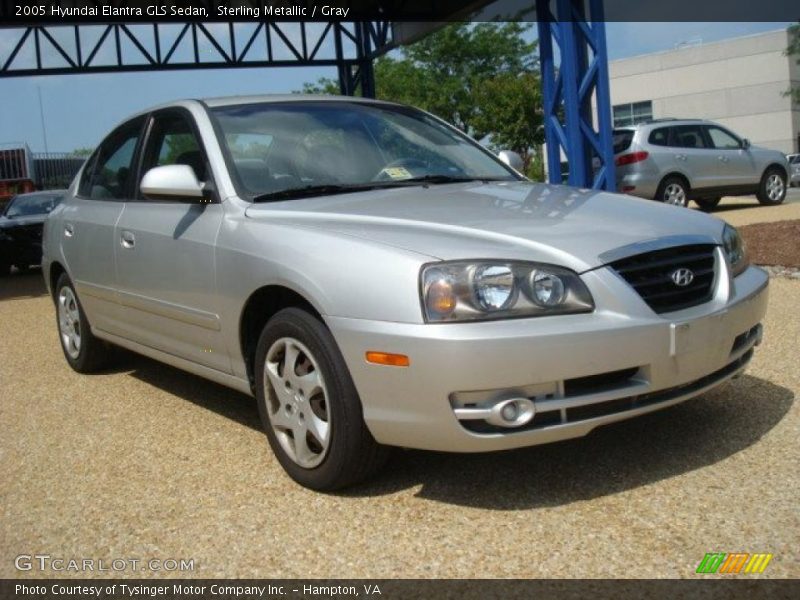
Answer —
507 220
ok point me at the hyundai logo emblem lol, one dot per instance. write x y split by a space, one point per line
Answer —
682 277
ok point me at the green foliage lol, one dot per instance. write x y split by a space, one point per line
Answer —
794 50
81 152
323 85
483 78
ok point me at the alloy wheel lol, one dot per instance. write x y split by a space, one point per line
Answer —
297 402
674 194
69 322
775 187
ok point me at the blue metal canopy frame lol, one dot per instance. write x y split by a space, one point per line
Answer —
574 64
572 45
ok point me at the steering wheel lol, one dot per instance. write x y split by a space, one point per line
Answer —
409 164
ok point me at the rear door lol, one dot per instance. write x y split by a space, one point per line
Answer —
88 220
693 156
735 164
165 254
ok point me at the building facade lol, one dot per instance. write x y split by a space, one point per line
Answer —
739 82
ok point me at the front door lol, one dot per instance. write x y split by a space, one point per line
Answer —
165 255
735 164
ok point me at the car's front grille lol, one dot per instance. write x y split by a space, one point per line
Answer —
653 275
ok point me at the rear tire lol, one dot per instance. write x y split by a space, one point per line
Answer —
5 269
84 352
673 190
772 189
707 204
309 406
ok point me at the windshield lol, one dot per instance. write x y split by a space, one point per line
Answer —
280 148
32 204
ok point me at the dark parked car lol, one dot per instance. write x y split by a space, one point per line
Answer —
21 225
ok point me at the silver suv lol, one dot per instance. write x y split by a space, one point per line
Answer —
673 160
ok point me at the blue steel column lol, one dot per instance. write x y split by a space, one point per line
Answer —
576 38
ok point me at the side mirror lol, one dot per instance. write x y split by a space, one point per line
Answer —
172 182
512 159
745 143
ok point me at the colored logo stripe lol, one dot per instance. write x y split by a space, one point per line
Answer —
733 562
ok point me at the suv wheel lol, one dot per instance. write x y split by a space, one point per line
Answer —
707 204
772 189
84 352
309 406
673 190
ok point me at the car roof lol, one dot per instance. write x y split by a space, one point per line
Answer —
266 98
254 99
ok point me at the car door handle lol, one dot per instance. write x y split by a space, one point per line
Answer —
127 239
69 230
723 158
680 156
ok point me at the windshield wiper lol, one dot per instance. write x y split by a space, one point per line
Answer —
327 189
445 179
330 189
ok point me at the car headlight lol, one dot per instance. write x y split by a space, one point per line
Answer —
483 290
735 250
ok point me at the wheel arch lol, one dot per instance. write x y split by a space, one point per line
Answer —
56 270
679 175
780 167
260 307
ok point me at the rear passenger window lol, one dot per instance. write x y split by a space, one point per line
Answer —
622 140
659 137
109 177
688 136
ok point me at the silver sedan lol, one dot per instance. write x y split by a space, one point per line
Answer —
376 278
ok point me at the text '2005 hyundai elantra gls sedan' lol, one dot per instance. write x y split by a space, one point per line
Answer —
375 278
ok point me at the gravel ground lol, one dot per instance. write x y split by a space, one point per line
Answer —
145 461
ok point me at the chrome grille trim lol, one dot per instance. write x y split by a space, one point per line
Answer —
649 274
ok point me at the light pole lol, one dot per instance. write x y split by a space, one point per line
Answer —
41 116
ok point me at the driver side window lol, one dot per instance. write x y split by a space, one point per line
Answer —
172 141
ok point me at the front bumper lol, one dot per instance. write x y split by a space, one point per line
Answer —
666 358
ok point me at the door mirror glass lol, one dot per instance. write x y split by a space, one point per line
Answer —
172 182
745 143
512 159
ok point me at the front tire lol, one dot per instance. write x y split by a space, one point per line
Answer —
309 406
707 204
673 190
84 352
772 189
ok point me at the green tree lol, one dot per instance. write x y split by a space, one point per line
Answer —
793 50
481 78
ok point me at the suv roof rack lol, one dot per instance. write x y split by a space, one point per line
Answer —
661 120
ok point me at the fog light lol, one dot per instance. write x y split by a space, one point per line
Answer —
510 411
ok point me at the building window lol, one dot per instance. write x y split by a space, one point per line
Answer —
626 115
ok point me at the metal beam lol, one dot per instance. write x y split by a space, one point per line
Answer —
574 63
124 47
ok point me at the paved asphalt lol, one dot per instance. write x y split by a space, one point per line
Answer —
147 462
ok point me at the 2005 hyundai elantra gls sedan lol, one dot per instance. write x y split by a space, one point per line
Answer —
375 278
